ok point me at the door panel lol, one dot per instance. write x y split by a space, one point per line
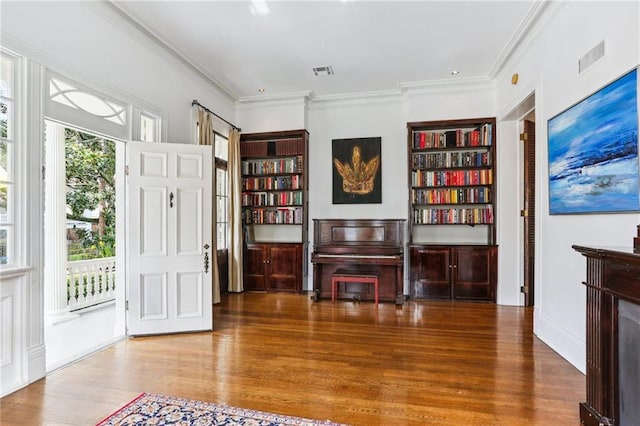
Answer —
529 218
283 267
474 271
254 264
189 235
169 232
153 235
430 272
189 295
153 296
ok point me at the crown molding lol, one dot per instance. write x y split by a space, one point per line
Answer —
162 44
449 85
378 94
290 97
524 34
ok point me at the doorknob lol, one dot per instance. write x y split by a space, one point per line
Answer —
171 199
206 258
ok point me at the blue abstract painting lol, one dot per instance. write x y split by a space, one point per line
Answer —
593 152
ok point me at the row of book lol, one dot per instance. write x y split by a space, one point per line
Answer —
451 159
451 196
289 198
452 178
275 166
265 148
453 138
285 216
462 216
272 182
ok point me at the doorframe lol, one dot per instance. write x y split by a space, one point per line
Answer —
516 116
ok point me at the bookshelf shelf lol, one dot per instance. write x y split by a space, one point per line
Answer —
274 209
452 209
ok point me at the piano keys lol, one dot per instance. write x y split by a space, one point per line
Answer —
366 244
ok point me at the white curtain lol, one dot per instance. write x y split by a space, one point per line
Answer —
205 137
235 213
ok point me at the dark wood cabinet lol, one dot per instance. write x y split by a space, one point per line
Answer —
452 199
273 267
465 272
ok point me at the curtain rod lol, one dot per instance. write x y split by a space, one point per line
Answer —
195 102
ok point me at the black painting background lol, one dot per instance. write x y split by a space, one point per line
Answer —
342 149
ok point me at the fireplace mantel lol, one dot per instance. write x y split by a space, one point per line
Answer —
613 275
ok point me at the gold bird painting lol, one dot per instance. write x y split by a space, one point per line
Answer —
357 177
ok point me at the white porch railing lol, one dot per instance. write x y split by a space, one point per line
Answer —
90 282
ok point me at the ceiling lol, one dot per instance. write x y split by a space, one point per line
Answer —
371 46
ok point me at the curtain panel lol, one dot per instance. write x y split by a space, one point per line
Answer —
235 213
205 137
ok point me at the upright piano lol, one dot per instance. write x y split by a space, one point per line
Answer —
365 244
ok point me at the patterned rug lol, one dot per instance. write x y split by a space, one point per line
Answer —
151 409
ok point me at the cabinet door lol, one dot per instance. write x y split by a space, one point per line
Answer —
284 267
474 273
254 267
430 272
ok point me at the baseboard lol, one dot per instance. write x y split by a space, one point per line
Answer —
37 363
79 356
560 340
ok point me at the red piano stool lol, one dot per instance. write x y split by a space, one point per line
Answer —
353 276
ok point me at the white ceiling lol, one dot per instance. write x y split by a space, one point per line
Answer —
372 46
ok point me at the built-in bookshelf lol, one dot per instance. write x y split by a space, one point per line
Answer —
452 174
274 178
274 209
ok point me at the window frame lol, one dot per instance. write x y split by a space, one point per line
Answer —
15 147
221 164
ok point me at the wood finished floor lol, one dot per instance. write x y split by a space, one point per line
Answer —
429 363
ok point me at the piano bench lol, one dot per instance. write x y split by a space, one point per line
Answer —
353 276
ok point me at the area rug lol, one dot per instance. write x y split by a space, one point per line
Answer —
152 409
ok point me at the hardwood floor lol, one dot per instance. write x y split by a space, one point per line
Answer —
429 363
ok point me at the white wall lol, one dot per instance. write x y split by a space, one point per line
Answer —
270 116
90 43
86 42
548 66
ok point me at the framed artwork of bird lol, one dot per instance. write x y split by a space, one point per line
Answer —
357 177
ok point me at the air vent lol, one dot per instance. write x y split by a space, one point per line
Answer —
326 70
591 57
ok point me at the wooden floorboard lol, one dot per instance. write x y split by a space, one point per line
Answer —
429 363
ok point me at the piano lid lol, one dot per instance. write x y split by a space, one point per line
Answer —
358 235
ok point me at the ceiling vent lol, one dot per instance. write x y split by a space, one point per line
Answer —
591 57
326 70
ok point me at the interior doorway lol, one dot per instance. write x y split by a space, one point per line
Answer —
521 121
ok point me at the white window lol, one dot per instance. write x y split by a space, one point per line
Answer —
66 94
8 101
221 150
149 127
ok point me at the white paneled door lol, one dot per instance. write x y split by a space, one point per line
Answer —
169 238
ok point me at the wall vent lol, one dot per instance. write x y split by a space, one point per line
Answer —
591 57
326 70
